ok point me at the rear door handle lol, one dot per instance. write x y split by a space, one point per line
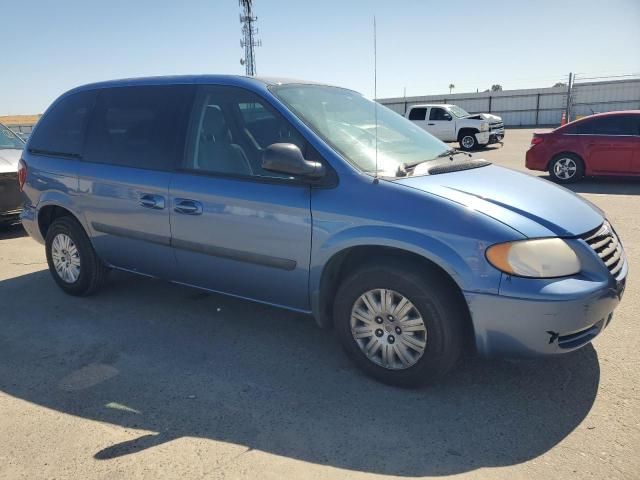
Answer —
430 123
149 200
187 207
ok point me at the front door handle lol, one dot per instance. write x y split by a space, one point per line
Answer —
431 124
187 207
149 200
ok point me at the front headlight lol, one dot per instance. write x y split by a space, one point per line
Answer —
541 258
484 126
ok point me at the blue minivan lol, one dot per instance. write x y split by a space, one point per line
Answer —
313 198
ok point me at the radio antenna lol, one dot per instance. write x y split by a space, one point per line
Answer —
375 94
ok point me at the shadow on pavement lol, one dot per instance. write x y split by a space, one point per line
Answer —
149 355
8 232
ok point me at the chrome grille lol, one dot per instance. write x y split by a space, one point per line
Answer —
606 244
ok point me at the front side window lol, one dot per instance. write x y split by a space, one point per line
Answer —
231 128
61 131
439 114
137 126
9 140
347 121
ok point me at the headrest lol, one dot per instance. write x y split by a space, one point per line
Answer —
214 125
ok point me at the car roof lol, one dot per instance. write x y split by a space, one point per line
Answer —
611 114
597 115
443 105
206 79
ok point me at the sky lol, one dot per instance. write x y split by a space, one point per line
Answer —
423 46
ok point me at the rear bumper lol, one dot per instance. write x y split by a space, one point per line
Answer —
29 219
510 326
534 160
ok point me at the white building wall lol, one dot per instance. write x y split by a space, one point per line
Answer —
537 106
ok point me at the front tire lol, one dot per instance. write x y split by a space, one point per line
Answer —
398 324
566 168
73 262
468 141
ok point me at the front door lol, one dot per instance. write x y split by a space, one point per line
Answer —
610 143
237 228
441 124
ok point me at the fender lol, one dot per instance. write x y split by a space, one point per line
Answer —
64 200
465 272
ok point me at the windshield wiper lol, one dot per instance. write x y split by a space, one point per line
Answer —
451 152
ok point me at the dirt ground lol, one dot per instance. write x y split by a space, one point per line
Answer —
152 380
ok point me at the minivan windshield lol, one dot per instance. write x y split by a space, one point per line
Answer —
458 112
8 139
347 121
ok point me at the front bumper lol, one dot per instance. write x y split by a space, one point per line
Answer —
487 138
496 136
10 198
562 316
12 216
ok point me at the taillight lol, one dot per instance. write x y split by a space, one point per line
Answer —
22 173
536 140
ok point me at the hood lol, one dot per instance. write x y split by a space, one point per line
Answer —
9 159
528 204
485 116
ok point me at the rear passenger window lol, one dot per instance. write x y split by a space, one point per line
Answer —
418 113
140 127
610 125
61 131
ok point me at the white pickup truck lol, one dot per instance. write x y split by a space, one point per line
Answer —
451 123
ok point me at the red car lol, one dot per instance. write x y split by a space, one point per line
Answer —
602 144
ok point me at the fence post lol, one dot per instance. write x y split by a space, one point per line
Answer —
569 87
537 108
489 104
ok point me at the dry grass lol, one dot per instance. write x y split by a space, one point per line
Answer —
10 120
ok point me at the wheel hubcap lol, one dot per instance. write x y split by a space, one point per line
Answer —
467 142
65 257
565 168
388 328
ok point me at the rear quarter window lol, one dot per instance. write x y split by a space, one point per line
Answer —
61 131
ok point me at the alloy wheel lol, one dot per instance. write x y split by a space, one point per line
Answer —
565 168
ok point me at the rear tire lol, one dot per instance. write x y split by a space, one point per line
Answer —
397 360
566 168
73 262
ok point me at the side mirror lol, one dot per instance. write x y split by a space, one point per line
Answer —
448 117
287 158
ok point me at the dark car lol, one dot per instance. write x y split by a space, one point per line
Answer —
10 196
602 144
